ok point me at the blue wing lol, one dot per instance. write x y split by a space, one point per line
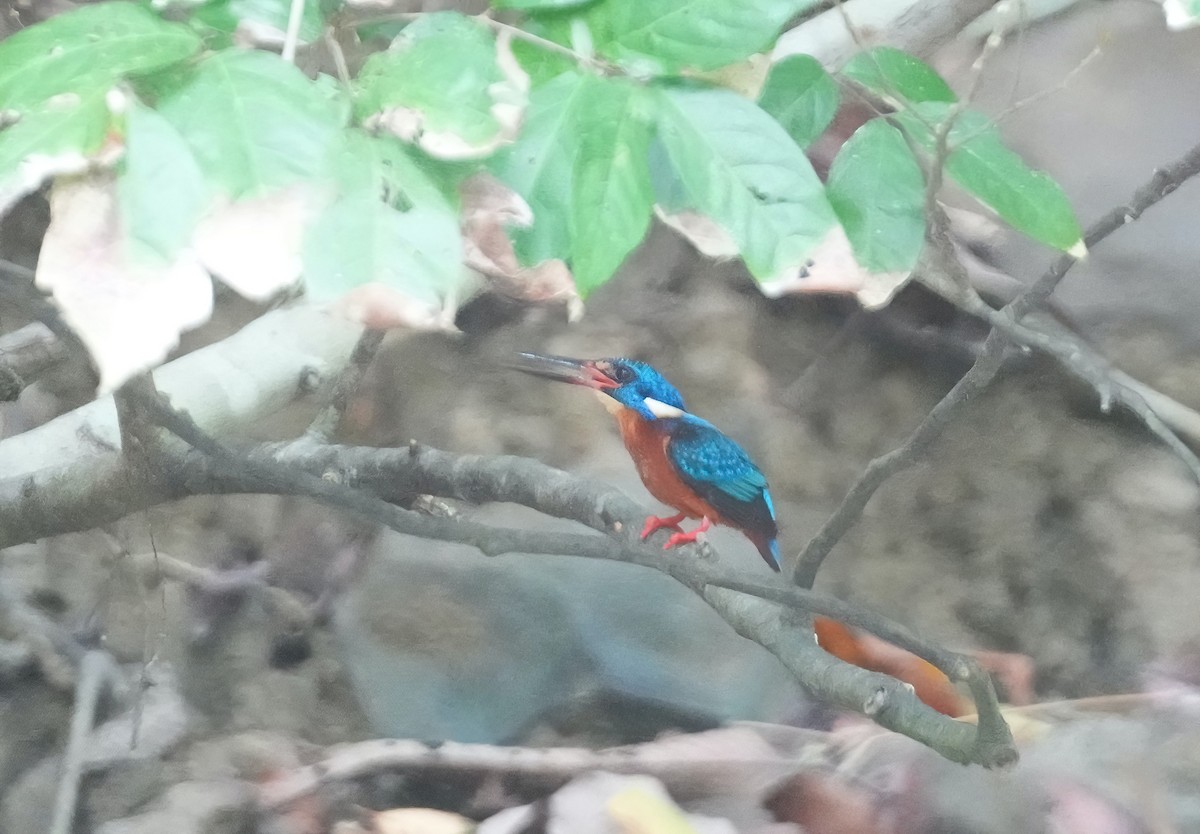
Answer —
723 475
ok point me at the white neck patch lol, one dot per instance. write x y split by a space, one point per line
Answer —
662 410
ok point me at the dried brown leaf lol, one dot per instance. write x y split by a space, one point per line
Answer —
127 305
489 209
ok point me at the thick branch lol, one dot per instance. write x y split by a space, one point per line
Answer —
331 474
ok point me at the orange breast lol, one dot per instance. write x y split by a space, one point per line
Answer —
647 445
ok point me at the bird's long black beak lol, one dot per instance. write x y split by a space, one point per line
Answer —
584 372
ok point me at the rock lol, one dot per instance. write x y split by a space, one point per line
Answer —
443 643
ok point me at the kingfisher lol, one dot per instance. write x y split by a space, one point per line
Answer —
684 461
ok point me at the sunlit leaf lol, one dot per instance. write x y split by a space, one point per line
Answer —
538 166
1027 199
878 192
894 74
90 47
739 167
1182 14
801 96
160 188
254 122
445 85
611 198
668 36
640 811
127 304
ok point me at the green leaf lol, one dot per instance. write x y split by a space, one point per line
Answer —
740 168
441 85
878 192
540 5
801 96
665 37
92 46
539 166
56 137
891 73
542 65
260 15
160 188
611 199
254 121
1028 200
381 166
359 240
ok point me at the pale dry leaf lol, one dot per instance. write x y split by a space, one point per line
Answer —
702 232
582 806
380 307
420 821
128 306
832 268
254 245
489 209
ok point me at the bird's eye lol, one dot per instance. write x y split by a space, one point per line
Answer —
622 374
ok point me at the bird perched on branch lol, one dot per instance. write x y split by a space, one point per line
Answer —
684 461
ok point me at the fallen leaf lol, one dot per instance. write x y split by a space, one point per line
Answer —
489 209
822 804
254 245
420 821
127 304
583 806
638 811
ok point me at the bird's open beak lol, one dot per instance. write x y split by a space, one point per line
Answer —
584 372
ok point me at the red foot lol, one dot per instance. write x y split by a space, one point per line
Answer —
687 538
654 524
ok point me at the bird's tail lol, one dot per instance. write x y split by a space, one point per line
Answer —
769 550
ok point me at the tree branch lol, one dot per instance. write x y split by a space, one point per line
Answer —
917 26
342 476
1076 357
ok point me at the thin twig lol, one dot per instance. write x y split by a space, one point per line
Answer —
326 422
95 674
292 37
274 468
1163 182
902 457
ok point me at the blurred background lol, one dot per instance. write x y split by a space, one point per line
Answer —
1038 526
